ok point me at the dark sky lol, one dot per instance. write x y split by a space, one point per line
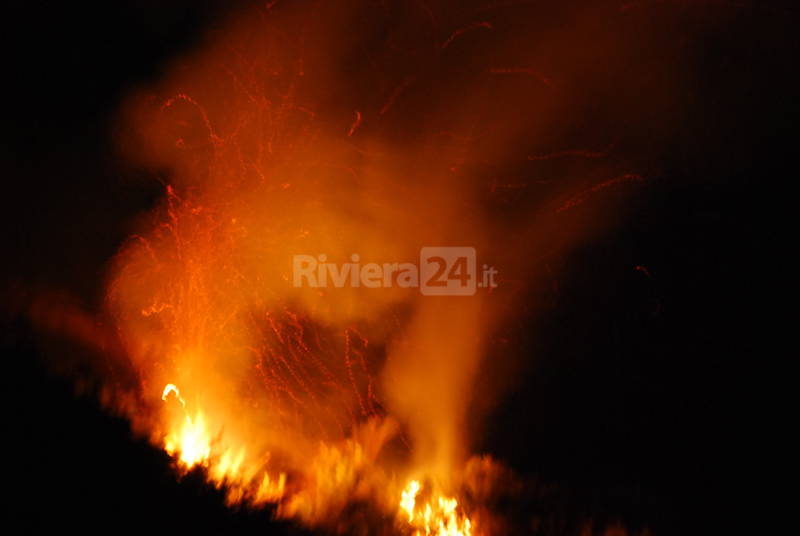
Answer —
638 397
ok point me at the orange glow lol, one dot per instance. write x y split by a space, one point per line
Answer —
408 502
439 517
271 141
190 443
282 394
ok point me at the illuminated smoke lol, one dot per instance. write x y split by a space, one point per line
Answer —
304 130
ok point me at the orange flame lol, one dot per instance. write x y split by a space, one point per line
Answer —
190 445
440 517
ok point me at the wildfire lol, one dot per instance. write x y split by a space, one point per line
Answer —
409 499
439 517
191 445
288 394
368 132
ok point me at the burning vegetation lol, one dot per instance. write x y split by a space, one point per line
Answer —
305 128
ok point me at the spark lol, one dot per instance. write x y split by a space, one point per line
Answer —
523 70
581 197
355 124
458 33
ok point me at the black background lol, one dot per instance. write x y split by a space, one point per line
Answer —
637 407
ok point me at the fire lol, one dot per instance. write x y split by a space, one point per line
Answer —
190 444
283 394
409 499
439 517
280 393
274 141
359 130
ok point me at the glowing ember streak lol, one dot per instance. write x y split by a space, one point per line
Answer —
581 197
171 388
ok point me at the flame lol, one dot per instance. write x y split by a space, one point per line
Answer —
409 499
439 516
190 444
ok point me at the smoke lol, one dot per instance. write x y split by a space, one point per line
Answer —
314 129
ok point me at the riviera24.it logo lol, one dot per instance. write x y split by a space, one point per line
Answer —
441 271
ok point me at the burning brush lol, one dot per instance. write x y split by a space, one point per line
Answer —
282 137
